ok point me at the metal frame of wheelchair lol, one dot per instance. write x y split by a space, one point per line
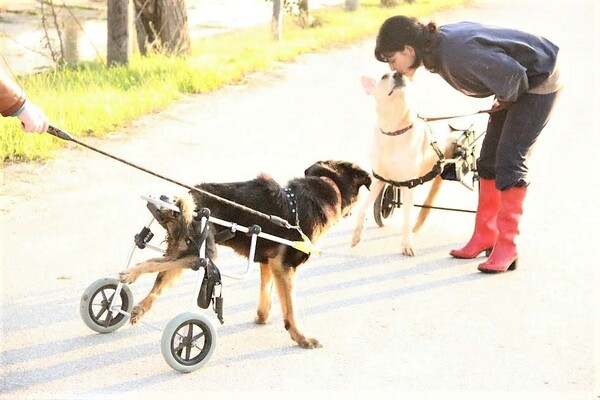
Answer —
458 169
189 340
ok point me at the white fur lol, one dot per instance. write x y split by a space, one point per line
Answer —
398 158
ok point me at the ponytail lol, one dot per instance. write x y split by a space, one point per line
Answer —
431 27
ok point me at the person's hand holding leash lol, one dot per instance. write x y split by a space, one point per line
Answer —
500 105
33 119
14 103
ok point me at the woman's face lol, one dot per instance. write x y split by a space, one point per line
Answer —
402 61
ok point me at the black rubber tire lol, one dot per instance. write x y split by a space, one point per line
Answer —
385 204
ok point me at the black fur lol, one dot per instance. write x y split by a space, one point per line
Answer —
324 195
313 195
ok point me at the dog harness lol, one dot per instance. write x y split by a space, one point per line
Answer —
309 247
306 246
293 204
411 183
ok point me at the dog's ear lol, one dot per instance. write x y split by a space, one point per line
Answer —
368 84
317 169
367 181
363 178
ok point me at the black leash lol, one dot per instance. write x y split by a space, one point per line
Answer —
272 218
444 208
433 119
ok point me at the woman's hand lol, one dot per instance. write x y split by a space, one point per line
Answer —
33 118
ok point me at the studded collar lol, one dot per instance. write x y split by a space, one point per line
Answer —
291 196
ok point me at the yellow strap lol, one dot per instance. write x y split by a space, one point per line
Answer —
306 246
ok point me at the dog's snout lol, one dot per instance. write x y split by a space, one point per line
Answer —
394 75
398 79
396 82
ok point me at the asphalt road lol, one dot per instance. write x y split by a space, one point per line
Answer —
391 326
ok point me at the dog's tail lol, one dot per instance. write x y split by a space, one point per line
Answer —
186 207
433 192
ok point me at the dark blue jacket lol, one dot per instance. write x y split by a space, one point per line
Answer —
481 61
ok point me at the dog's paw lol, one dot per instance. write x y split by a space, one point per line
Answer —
408 251
261 319
127 277
136 314
303 341
309 343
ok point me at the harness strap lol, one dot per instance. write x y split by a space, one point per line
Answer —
437 150
306 246
293 205
435 170
411 183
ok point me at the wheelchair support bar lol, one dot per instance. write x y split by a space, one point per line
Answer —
254 230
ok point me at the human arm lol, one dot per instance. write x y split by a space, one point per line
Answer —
501 74
12 96
13 103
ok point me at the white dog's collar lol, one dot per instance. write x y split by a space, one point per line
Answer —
398 132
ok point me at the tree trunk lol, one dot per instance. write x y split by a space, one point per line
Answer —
393 3
351 5
304 16
119 43
277 20
162 25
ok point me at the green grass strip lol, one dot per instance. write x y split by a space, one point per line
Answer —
91 99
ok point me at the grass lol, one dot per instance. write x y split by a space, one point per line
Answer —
91 99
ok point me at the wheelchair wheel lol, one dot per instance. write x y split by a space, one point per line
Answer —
385 203
95 303
188 342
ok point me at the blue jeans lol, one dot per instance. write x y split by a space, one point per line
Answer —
510 138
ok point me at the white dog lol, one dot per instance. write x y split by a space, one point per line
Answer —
402 150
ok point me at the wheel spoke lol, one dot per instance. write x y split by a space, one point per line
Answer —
179 348
111 297
188 347
108 319
104 307
99 314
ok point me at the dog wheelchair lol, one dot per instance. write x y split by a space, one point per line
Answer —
189 340
462 167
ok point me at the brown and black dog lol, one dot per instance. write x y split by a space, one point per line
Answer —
321 198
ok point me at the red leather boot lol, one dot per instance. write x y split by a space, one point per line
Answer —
485 233
504 256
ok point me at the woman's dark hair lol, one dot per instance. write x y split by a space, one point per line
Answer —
399 31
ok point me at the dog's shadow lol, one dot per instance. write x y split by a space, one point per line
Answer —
378 270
